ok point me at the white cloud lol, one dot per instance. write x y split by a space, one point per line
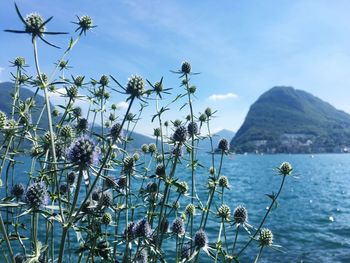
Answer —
226 96
122 105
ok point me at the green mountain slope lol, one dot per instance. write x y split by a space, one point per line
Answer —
285 119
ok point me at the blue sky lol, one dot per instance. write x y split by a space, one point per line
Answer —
242 48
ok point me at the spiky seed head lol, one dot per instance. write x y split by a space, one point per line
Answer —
3 119
152 187
203 117
78 81
82 124
122 181
142 229
114 106
129 163
240 215
223 145
180 134
285 169
106 199
19 62
71 178
95 195
192 128
77 111
106 218
66 132
223 181
116 130
72 92
158 87
83 152
144 148
200 239
85 23
34 24
152 148
192 89
104 80
23 78
208 112
185 252
177 123
224 212
135 86
266 237
17 190
212 170
186 67
178 227
190 209
182 187
160 170
157 132
37 195
63 64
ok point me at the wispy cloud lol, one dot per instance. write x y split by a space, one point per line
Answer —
122 105
216 97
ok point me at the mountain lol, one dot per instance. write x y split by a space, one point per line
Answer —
227 134
287 120
7 89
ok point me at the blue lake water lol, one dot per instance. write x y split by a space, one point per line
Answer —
302 224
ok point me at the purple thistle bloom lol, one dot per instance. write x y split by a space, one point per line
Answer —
141 256
37 195
142 229
83 152
186 252
178 226
200 239
17 190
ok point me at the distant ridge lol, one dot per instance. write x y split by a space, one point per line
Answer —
287 120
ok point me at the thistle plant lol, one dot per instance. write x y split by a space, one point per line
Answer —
91 194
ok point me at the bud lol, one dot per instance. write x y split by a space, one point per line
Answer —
152 147
180 134
223 145
135 86
104 80
224 212
285 169
200 239
34 24
156 132
208 112
266 237
190 209
240 215
192 128
186 68
106 219
178 227
223 182
144 148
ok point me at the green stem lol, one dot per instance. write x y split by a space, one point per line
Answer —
7 241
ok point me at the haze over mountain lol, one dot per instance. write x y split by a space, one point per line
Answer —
287 120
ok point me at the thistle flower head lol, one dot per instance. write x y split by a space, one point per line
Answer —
224 211
186 67
182 187
77 112
136 157
144 148
158 87
104 80
64 188
122 182
66 132
160 170
157 132
266 237
192 128
106 199
135 86
129 164
180 134
82 124
177 123
3 119
20 258
152 148
63 64
223 182
83 152
240 215
72 92
95 195
19 62
200 239
223 145
208 112
106 218
34 24
37 195
285 169
190 209
192 89
85 23
203 117
142 229
116 130
78 80
178 226
17 190
129 230
185 252
152 187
